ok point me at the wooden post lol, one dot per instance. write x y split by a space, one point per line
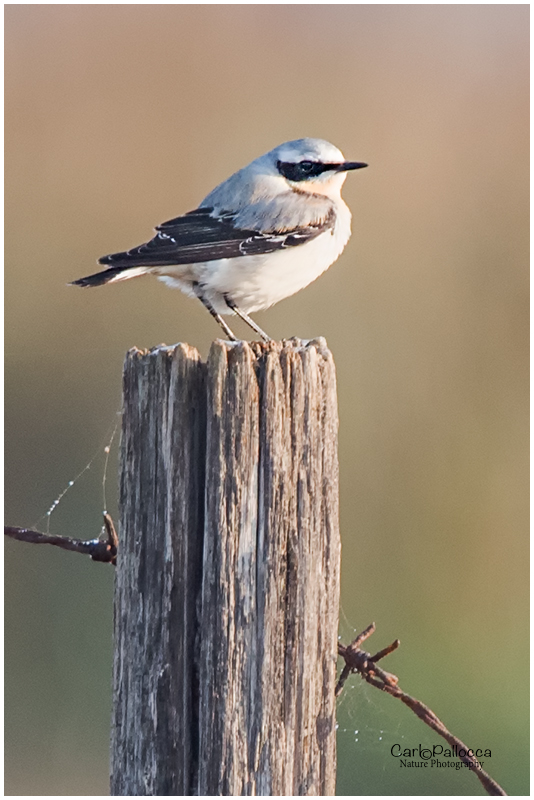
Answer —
227 585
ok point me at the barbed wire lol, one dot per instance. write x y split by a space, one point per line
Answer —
364 664
356 660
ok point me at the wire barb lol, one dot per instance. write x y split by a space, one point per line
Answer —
101 549
357 660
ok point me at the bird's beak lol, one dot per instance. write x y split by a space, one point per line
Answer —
347 165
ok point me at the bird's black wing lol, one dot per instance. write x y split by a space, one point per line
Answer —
198 236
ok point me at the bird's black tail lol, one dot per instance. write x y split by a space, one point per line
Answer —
108 275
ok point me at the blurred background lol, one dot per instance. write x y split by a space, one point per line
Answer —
122 116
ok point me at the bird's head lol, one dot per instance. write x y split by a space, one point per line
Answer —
304 166
312 165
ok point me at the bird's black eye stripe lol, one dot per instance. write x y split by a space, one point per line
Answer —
302 170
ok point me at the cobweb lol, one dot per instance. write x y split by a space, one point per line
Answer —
368 721
102 454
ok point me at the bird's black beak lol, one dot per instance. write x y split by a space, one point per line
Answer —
347 165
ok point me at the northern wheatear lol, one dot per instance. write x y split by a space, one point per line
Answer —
265 233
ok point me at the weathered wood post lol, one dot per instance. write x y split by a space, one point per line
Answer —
227 583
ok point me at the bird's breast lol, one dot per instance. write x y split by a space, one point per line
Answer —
257 282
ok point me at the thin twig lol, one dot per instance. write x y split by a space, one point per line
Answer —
357 660
104 550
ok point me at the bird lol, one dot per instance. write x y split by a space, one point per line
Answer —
262 235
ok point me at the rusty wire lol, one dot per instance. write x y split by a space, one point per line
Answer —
364 664
102 549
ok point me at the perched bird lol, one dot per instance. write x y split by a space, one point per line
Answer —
265 233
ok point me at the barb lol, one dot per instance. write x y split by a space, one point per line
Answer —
101 549
357 660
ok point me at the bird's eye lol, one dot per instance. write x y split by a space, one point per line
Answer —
300 171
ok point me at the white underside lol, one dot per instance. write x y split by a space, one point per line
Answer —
258 282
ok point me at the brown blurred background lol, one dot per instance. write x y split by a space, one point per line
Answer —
122 116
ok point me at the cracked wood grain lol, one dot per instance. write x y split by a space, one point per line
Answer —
227 589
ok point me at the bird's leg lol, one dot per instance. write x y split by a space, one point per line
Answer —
206 303
245 317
